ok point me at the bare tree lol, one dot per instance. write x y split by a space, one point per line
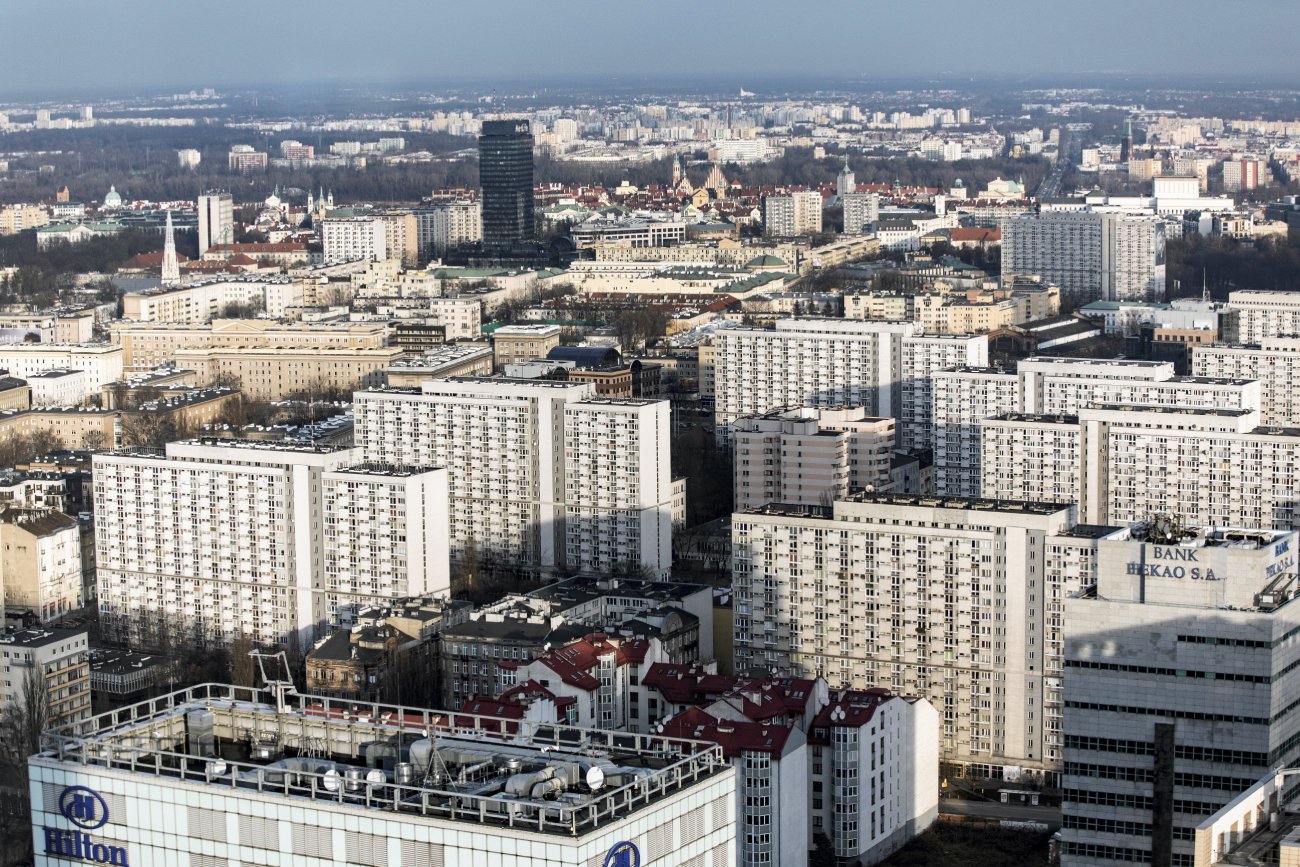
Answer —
25 719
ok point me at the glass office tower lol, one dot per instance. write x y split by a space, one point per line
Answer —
505 159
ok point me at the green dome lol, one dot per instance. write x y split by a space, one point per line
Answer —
765 262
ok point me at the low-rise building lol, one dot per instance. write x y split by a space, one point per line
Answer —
40 563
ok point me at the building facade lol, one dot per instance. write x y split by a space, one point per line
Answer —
505 150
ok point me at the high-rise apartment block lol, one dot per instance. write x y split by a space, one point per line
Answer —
217 539
1055 386
1262 314
1274 363
347 239
860 211
1028 456
1090 255
883 367
189 158
244 159
505 164
541 473
1182 679
955 600
793 214
216 219
810 456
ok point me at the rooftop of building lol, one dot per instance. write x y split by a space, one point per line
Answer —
113 661
1222 412
374 759
580 589
38 522
1041 418
451 353
39 636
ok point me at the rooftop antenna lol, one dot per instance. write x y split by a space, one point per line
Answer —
1205 288
281 689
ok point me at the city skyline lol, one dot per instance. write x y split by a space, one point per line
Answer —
498 41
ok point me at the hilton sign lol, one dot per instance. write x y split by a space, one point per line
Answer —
85 808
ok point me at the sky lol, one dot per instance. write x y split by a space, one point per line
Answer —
68 46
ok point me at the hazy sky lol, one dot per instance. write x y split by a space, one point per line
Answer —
65 46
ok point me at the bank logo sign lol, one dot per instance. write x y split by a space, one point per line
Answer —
623 855
88 811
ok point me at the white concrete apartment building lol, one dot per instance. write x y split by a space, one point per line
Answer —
1056 386
347 239
962 397
921 358
461 317
1027 456
216 219
793 214
880 366
949 599
617 486
377 541
860 211
1182 680
810 455
59 387
1212 467
1263 314
55 657
510 447
455 223
1091 255
1274 362
101 362
229 538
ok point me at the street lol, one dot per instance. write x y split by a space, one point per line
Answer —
1050 816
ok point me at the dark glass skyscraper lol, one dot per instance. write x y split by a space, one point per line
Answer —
505 171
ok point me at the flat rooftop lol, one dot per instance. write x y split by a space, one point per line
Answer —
584 588
457 767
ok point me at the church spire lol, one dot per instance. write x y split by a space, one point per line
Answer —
171 268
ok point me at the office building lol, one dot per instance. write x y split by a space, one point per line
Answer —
505 158
216 219
152 344
955 600
810 455
205 299
1090 255
794 214
542 473
227 538
1182 677
394 787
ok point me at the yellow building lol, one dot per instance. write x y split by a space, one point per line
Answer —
273 373
147 345
513 343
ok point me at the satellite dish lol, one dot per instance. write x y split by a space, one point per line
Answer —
331 781
595 778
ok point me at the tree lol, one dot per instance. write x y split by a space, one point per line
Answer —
823 853
27 718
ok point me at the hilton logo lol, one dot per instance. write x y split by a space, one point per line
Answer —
623 855
86 809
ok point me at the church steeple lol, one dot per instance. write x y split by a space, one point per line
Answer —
171 267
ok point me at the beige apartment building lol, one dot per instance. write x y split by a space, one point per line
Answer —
147 345
513 343
40 562
810 456
274 372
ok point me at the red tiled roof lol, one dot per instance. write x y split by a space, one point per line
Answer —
983 236
851 708
735 737
687 684
150 260
517 695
